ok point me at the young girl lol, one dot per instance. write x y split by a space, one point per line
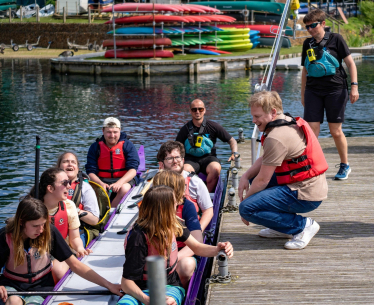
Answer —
53 191
26 245
185 210
156 233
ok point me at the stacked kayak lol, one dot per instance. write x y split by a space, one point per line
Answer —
255 38
234 40
8 4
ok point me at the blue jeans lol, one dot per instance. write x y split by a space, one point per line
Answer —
275 207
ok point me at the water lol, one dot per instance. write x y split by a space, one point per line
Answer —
67 112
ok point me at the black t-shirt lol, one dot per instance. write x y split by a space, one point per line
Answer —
59 250
212 129
337 48
136 253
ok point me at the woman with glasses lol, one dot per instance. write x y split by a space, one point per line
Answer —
53 191
27 244
324 83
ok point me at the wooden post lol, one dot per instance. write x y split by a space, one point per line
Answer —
64 14
58 7
10 15
20 13
37 14
333 27
338 28
89 15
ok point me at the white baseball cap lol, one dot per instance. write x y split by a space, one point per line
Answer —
111 123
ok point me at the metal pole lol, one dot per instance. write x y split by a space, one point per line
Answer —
37 166
154 31
114 32
156 279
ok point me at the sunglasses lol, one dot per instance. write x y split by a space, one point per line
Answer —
312 26
196 109
65 182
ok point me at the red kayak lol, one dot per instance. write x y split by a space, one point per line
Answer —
220 18
145 42
197 18
188 8
207 9
139 54
214 49
148 19
140 7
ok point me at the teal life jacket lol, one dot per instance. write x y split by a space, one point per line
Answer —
326 64
190 143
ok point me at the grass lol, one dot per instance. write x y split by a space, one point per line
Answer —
51 20
37 53
255 51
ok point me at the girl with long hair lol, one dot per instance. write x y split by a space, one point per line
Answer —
186 210
156 233
26 245
53 191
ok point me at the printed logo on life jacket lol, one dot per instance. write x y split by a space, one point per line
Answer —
37 255
173 246
118 151
61 221
71 192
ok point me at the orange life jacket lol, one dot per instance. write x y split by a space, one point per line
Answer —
60 219
310 163
72 190
170 262
33 268
111 162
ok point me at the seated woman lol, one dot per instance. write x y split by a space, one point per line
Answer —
185 210
53 191
28 240
83 195
156 233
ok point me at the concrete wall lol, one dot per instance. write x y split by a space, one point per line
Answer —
56 32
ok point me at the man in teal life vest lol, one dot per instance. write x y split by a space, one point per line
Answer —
112 161
199 137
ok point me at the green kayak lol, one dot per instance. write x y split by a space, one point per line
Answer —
231 42
258 6
8 6
236 47
3 2
269 41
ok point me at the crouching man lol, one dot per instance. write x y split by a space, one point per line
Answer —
288 179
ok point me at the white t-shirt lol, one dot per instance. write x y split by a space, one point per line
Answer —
88 199
199 191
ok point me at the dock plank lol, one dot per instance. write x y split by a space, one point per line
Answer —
336 267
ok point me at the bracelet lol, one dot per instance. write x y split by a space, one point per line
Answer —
354 83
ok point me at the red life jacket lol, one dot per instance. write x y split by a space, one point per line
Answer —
179 214
170 262
111 162
310 163
60 219
72 190
187 193
33 268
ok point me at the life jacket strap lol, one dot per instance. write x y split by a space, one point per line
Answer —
29 275
295 171
297 160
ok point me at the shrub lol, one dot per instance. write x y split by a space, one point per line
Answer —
367 9
355 40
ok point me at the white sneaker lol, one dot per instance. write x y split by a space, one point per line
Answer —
301 240
269 233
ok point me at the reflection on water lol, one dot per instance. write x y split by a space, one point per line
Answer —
67 112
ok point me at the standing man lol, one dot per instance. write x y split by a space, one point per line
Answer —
171 157
112 161
289 177
324 83
199 137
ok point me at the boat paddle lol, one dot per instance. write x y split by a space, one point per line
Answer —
45 293
37 166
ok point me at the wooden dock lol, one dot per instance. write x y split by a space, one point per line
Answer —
336 267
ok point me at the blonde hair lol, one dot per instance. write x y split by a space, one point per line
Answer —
267 100
29 209
157 218
172 179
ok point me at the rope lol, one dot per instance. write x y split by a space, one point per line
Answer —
216 279
229 209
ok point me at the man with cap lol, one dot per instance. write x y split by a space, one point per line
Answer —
112 161
199 137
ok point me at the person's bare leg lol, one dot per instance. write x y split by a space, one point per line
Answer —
340 141
213 170
188 168
59 269
124 189
316 126
185 268
14 300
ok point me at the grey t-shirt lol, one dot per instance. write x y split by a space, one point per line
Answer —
199 191
89 200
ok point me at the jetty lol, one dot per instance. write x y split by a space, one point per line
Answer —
335 268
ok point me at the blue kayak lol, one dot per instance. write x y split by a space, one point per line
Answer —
255 44
253 33
200 51
140 30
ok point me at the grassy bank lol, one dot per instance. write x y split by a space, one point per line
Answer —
51 20
36 53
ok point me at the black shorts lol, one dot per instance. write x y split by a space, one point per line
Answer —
110 181
200 164
334 103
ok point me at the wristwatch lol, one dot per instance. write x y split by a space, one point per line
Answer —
354 83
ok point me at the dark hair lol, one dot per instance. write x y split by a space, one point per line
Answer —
28 209
60 157
168 147
316 15
47 178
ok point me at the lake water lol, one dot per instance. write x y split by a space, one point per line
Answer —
67 111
